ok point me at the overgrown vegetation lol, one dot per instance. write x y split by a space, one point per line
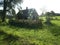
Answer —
14 35
26 23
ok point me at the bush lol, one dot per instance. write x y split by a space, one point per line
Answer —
26 23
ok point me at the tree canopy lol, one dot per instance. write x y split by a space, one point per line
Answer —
9 4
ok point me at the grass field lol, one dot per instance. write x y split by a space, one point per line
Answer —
48 35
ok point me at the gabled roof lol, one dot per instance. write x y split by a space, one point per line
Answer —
29 11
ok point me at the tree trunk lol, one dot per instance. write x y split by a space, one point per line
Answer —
4 11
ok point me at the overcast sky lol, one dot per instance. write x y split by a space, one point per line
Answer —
1 0
42 5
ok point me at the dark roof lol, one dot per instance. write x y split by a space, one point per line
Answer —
24 12
27 12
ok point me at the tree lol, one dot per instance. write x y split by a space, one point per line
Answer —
4 11
48 15
9 4
52 13
43 10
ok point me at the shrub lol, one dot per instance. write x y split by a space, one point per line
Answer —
26 23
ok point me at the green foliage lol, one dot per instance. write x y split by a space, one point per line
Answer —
49 35
27 23
8 5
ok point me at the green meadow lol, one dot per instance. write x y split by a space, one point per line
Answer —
48 35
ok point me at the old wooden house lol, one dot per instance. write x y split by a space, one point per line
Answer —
27 14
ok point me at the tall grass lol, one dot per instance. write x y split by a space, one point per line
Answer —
48 35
